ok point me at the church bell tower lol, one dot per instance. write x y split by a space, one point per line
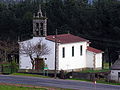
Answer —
39 24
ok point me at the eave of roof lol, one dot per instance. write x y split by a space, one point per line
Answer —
91 49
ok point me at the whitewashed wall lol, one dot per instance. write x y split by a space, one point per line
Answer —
90 60
114 75
99 60
51 57
75 62
24 60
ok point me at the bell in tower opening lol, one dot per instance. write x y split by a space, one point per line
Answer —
39 24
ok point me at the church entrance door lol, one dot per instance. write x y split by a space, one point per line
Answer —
39 63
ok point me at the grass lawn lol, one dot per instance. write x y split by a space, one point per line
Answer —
7 87
102 81
106 65
94 71
32 75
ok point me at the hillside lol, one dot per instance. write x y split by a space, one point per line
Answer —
99 22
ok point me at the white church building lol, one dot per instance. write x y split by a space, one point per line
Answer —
72 52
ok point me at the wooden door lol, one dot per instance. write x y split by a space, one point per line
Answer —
38 63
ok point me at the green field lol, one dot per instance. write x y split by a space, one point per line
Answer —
7 87
23 87
106 65
32 75
102 81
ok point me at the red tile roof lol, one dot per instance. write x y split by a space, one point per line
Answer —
65 38
94 50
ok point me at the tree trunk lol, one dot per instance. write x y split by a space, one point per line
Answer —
32 65
5 56
32 61
103 58
109 58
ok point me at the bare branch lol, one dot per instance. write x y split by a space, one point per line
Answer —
34 50
41 49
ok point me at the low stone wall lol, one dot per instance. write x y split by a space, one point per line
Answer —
81 69
88 76
73 74
77 75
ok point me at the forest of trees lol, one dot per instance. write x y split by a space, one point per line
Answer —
98 22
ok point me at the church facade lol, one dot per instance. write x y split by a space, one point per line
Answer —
71 52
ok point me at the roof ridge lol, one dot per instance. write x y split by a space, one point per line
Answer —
66 38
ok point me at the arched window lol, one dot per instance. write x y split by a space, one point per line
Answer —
37 25
39 14
37 28
41 28
41 25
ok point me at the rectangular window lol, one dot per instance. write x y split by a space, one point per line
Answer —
72 51
81 50
63 51
119 74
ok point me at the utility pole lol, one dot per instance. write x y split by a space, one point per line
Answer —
55 73
94 61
